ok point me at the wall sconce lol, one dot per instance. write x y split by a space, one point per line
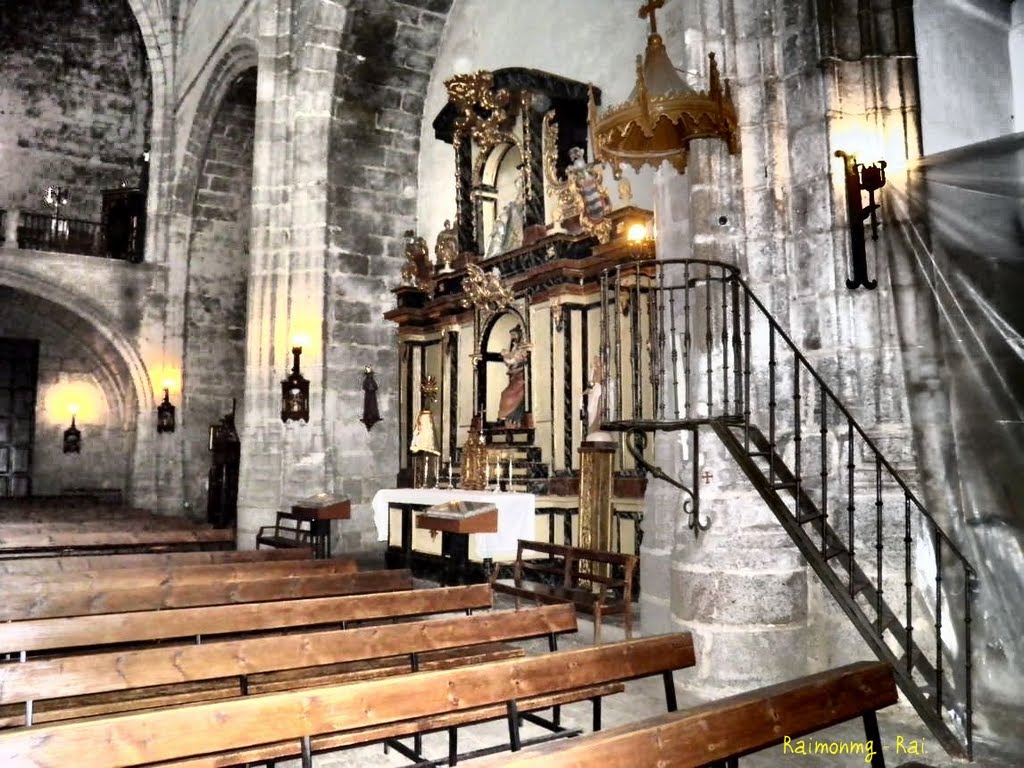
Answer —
371 413
861 178
641 242
295 392
72 435
165 414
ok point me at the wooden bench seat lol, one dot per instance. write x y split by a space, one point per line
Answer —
105 683
50 636
49 603
725 730
289 531
230 729
587 578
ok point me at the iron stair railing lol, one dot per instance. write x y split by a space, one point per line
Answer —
686 343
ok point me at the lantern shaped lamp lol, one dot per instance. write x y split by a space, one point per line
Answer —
165 413
295 391
72 435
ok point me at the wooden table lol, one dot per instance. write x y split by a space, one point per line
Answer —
319 511
455 521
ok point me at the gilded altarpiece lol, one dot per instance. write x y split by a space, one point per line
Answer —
506 315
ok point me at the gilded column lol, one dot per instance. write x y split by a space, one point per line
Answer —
595 514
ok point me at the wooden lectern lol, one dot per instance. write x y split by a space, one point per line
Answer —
320 510
455 521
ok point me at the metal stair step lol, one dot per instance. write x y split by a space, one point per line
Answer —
809 518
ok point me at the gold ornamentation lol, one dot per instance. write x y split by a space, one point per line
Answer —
582 193
416 270
474 461
428 391
483 111
663 114
446 247
485 291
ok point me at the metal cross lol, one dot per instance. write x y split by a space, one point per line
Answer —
648 9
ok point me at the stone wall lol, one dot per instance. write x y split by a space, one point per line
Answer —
74 102
76 366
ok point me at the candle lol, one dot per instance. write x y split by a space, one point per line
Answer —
450 475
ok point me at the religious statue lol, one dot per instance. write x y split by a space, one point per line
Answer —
416 270
512 406
582 193
508 226
446 247
593 405
423 437
371 413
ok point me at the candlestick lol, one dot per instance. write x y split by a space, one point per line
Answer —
450 485
510 474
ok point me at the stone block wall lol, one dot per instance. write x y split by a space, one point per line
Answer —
382 76
76 366
75 102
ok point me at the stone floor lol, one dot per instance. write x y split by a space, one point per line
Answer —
902 733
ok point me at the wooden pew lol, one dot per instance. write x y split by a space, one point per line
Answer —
585 577
80 602
59 689
48 566
171 573
36 636
724 731
17 541
278 725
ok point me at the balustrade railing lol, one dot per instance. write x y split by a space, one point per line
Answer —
686 343
45 232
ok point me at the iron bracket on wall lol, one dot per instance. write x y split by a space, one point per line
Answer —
636 444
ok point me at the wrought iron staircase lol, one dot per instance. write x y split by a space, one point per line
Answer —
690 345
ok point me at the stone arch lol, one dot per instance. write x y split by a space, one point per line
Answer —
218 263
141 383
241 58
82 352
158 38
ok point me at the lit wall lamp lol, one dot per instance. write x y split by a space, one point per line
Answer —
295 391
165 413
72 435
861 178
641 242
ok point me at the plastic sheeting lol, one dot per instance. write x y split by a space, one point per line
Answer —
961 241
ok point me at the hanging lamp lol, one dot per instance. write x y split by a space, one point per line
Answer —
663 114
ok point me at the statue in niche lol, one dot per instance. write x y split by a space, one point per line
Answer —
593 405
512 406
508 226
446 247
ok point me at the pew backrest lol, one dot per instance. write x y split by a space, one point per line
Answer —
47 566
205 622
729 728
199 729
158 596
36 681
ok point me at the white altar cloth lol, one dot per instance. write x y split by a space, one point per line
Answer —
515 515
